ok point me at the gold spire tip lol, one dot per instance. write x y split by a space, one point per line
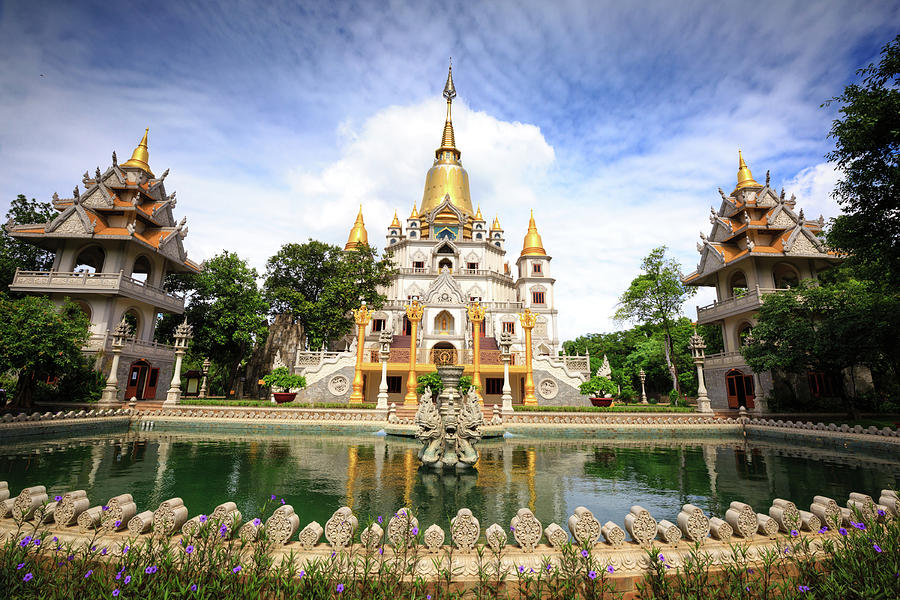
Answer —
744 176
141 155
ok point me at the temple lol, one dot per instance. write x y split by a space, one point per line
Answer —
759 243
115 243
455 299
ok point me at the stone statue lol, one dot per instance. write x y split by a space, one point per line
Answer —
450 427
469 433
430 431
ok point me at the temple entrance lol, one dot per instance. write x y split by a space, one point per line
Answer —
740 389
443 353
142 381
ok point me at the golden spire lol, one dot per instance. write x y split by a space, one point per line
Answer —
447 141
140 156
744 176
396 221
495 226
478 216
358 236
533 246
415 213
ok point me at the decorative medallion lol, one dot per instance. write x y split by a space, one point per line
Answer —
548 389
338 385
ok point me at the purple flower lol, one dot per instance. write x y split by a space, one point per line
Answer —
118 523
860 526
282 500
802 588
28 577
549 567
25 541
55 539
794 533
661 558
115 592
189 549
592 574
340 588
823 530
71 558
877 548
125 550
380 520
584 553
521 569
273 497
881 512
119 575
787 550
104 508
610 569
20 566
37 542
511 528
751 571
203 518
151 570
237 569
415 531
381 551
57 498
256 522
332 554
89 573
842 531
103 552
194 587
93 548
127 579
302 573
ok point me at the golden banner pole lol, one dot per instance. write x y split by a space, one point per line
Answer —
362 318
414 312
476 315
528 320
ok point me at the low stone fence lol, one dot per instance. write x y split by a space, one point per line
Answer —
24 424
526 543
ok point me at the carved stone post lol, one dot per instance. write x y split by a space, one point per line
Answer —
362 317
110 393
414 312
528 320
183 335
506 398
476 315
643 377
384 355
697 347
203 385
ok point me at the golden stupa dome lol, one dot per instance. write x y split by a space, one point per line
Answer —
478 216
744 176
358 235
495 226
140 156
396 221
447 175
533 245
415 213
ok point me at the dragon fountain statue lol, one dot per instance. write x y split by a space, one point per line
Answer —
450 427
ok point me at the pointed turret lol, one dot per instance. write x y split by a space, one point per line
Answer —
495 226
396 221
358 236
447 141
140 156
478 216
744 176
533 246
415 213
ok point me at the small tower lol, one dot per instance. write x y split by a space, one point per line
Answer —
358 236
496 234
413 224
395 231
479 227
534 285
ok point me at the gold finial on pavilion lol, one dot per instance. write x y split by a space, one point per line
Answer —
415 213
140 156
744 176
478 216
358 236
495 226
533 245
448 142
396 221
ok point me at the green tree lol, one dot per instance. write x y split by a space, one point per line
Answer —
655 297
318 284
16 253
40 340
867 151
830 327
227 312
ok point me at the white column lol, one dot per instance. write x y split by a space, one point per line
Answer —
110 393
506 398
174 393
382 387
702 399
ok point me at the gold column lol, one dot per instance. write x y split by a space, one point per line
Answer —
362 318
528 320
409 464
414 312
352 459
476 315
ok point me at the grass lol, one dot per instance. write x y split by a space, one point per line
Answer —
619 408
862 562
268 404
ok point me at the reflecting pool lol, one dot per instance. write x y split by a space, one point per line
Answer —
375 475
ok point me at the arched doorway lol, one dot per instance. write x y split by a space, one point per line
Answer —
443 353
444 323
740 389
738 284
90 260
142 269
142 381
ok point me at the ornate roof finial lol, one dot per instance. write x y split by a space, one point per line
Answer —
744 176
140 156
533 245
358 236
447 140
449 90
396 221
415 213
495 226
478 216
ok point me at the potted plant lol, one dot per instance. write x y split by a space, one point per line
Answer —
599 390
282 382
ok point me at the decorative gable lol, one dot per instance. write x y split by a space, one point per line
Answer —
444 290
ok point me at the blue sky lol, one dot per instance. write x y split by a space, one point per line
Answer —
615 122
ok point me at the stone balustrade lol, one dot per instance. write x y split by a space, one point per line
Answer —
760 532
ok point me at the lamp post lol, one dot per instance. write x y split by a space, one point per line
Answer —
111 391
506 398
385 340
528 320
643 377
697 347
362 317
476 315
183 335
203 385
414 312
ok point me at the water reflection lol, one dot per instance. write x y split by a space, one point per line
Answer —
376 475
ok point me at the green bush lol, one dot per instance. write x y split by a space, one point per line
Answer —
80 384
282 378
465 382
598 386
432 381
674 397
617 408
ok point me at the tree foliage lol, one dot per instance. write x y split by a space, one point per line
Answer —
655 297
867 150
318 284
40 340
16 253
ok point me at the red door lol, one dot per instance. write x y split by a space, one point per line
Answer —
137 380
740 389
152 380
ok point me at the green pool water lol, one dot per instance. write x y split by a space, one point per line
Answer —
375 475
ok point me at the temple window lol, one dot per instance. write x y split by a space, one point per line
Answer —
493 385
785 276
509 327
419 264
412 234
537 298
477 236
738 284
446 262
394 384
536 268
472 266
378 324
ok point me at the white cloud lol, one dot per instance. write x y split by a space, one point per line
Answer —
813 187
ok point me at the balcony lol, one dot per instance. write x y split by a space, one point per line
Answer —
96 283
724 359
736 305
130 347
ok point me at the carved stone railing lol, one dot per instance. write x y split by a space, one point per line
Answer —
130 346
105 283
722 359
732 306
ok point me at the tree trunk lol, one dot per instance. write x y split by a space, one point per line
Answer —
673 373
849 399
24 394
